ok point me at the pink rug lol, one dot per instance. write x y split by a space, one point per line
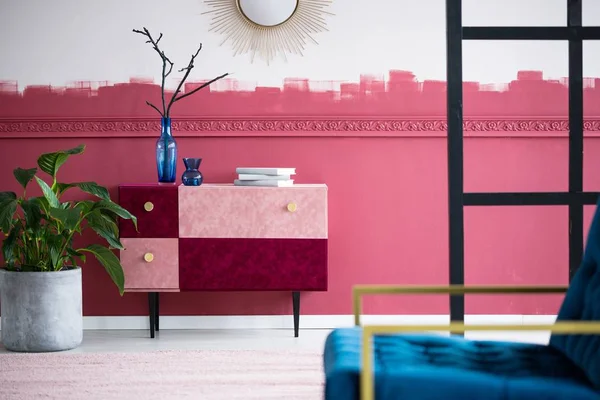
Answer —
206 375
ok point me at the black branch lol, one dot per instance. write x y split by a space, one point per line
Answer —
187 70
153 106
167 67
165 61
200 87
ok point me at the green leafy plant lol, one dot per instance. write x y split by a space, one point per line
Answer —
40 230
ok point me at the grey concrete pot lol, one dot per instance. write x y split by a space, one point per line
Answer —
41 311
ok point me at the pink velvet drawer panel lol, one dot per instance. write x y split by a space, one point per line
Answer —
221 211
156 208
252 264
159 271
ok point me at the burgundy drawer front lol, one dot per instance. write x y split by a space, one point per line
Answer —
252 264
161 222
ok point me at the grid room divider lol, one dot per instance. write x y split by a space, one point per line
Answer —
575 198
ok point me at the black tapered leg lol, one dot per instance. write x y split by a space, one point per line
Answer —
157 311
152 312
296 307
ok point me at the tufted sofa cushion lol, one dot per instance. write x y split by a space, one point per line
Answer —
582 302
432 367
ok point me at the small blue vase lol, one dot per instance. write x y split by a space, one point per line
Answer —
166 153
191 175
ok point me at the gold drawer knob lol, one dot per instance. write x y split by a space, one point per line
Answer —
148 257
148 206
292 207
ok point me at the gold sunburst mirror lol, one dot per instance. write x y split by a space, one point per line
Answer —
268 28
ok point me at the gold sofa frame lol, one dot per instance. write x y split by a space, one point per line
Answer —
367 387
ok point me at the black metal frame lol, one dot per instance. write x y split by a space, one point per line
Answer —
575 198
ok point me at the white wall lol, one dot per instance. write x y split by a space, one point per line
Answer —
59 41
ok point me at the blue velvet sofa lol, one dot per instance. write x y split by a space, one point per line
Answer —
408 366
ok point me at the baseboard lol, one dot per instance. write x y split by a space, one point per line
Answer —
286 321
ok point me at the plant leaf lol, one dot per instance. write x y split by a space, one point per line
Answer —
69 217
8 195
24 176
110 262
88 187
94 189
75 253
51 162
55 257
109 216
9 244
85 205
8 207
116 209
41 201
105 228
33 213
63 187
48 193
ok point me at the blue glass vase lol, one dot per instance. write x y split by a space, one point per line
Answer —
192 176
166 153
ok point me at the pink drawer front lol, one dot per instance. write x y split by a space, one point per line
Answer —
227 211
159 271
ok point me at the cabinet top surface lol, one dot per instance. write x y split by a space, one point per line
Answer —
224 186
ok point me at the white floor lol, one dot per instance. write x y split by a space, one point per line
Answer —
237 339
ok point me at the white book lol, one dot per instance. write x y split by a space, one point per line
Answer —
266 182
259 177
265 171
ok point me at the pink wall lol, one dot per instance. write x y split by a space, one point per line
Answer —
379 146
388 213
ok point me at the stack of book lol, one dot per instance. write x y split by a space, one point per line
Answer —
276 177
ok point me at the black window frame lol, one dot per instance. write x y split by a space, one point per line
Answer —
575 198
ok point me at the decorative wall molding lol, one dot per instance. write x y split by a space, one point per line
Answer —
332 126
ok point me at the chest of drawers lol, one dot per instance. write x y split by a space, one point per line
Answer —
220 237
